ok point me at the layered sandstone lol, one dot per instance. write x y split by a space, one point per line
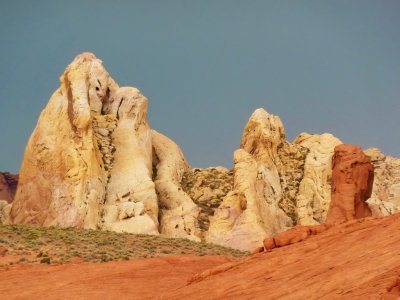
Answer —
8 186
352 180
354 260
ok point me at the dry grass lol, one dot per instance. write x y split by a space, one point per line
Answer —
53 245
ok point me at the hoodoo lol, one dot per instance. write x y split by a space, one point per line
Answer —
352 182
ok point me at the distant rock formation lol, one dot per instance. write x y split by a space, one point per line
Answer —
352 180
8 186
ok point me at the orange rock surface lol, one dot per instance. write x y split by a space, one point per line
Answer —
352 180
358 259
136 279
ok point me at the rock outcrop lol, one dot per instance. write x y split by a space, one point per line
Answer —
92 158
352 180
62 177
8 186
314 195
385 197
267 173
277 184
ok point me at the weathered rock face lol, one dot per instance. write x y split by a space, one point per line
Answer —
8 186
178 213
131 201
314 195
352 180
90 161
385 197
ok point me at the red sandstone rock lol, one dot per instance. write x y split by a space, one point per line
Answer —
352 179
269 243
135 279
354 260
8 186
291 236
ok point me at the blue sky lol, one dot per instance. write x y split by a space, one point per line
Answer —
205 66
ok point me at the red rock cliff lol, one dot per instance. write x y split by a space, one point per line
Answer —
352 179
8 186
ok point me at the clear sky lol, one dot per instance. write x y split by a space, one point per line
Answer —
205 66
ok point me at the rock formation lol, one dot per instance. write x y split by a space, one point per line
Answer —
386 188
94 162
131 200
90 160
314 195
352 180
354 260
266 170
8 186
62 177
